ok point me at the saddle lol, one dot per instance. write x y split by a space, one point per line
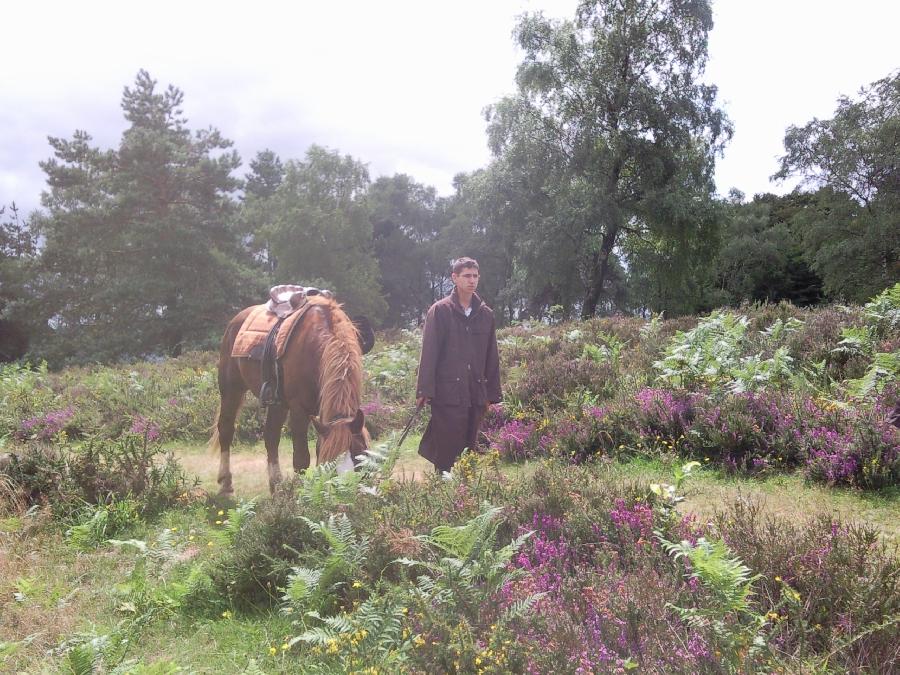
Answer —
265 333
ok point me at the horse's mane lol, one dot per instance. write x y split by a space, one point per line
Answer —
340 377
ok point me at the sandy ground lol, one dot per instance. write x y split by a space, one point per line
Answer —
248 465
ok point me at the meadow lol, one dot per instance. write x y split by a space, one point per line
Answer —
705 494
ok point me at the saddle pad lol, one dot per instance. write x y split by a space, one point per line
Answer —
256 328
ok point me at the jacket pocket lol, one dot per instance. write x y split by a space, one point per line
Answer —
447 391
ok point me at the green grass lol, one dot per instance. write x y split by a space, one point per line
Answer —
785 495
224 645
67 593
708 489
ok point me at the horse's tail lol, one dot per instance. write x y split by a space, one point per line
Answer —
213 446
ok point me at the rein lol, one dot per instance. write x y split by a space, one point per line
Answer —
412 418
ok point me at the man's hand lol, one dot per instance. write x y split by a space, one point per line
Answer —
421 401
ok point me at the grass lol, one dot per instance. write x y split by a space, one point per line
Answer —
248 463
785 495
64 593
228 645
789 496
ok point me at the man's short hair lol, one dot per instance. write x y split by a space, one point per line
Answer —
460 264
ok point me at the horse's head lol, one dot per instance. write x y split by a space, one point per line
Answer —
341 436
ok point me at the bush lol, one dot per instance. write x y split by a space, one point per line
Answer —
248 570
830 585
66 476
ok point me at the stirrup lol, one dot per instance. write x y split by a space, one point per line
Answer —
267 394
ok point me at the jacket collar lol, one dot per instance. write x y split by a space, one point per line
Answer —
454 300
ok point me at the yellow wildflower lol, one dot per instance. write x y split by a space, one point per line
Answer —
272 651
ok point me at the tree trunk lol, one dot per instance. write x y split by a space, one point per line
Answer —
599 273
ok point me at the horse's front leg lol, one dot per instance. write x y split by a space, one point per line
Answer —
272 435
299 431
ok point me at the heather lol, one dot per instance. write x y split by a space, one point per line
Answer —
759 389
564 570
535 556
756 392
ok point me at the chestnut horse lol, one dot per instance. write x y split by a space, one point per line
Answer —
322 365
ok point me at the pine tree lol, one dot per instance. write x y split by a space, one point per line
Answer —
139 256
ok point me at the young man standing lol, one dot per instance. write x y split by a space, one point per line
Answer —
459 369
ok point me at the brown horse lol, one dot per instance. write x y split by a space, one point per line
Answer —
322 365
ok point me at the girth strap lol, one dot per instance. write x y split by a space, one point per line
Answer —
271 391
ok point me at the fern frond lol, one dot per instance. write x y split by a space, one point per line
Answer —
521 608
316 636
80 660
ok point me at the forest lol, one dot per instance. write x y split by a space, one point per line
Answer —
599 200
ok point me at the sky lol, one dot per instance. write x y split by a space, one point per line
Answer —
398 84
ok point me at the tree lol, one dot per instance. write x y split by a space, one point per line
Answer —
857 152
851 230
405 226
139 257
266 174
611 128
854 249
317 223
672 274
483 218
17 250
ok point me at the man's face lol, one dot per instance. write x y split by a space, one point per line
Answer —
467 279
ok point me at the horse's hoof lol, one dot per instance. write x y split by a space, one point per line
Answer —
226 492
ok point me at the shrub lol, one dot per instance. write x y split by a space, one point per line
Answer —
829 585
248 571
66 476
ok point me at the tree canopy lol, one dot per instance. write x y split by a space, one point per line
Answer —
138 256
612 130
598 198
851 231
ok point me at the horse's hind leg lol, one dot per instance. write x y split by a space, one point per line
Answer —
272 435
232 399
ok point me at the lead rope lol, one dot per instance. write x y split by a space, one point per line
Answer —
409 424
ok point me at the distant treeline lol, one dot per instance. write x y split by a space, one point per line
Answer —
599 199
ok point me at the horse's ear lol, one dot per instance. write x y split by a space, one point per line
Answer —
321 429
356 426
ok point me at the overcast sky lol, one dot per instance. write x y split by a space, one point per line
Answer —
400 85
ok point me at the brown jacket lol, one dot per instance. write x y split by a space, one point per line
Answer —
460 364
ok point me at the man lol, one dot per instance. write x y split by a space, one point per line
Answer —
459 369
